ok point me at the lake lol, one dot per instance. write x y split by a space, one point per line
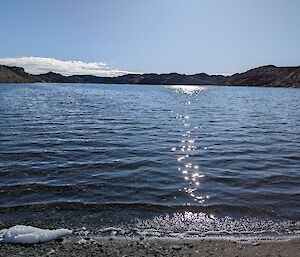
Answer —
207 159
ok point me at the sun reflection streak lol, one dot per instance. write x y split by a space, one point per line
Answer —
189 90
191 172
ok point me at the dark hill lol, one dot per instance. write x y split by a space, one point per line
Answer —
15 75
267 76
171 79
270 76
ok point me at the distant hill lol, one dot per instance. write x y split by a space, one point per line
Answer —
270 76
171 79
15 75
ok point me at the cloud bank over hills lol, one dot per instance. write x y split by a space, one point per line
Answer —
40 65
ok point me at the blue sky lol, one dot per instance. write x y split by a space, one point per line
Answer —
185 36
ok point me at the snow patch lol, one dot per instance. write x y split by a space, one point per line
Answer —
30 235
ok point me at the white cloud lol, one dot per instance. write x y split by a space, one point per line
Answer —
39 65
221 73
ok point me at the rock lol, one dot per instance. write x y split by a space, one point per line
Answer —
82 241
59 240
140 244
176 247
189 245
51 252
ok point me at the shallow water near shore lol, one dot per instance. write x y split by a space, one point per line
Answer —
191 160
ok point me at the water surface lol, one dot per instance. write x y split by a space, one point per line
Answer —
138 152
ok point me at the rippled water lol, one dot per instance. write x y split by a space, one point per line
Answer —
147 151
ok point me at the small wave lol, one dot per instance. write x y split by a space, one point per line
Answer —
198 225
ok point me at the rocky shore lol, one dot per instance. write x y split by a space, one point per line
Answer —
87 246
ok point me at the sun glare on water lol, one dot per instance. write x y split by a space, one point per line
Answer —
189 90
191 172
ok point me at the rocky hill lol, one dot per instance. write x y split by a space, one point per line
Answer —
270 76
15 75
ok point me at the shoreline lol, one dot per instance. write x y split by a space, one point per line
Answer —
99 246
135 84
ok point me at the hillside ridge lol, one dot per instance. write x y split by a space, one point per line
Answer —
269 76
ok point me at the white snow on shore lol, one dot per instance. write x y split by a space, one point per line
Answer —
30 235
